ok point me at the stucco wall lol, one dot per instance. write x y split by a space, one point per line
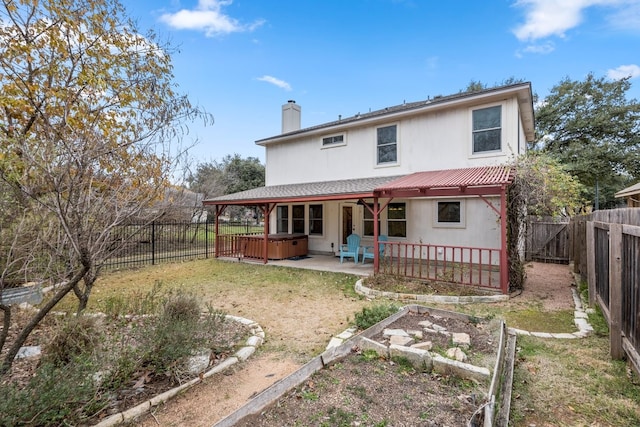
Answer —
434 141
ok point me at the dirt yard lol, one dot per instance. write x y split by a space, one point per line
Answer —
308 323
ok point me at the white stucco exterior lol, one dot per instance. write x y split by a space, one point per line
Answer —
435 135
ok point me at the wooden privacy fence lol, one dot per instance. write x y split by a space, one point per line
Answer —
547 240
613 251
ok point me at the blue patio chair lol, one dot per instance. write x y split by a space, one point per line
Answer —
367 252
351 249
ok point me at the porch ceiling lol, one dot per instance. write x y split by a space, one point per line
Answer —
488 180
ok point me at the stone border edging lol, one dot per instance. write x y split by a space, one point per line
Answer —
581 319
254 341
434 299
336 350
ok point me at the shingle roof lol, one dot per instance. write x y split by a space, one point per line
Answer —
451 182
325 190
634 189
409 106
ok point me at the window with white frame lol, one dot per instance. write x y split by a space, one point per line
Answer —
315 220
297 218
368 223
487 129
329 141
282 221
397 220
387 144
450 213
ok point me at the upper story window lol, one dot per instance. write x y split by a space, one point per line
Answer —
330 141
387 144
487 129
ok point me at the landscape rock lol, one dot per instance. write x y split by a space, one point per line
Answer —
461 339
424 345
456 353
401 340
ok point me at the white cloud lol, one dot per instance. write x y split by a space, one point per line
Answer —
208 17
546 18
631 70
274 81
542 49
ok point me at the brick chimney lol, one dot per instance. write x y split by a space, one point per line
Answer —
290 116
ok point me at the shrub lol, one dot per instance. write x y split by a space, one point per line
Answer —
55 395
75 336
370 316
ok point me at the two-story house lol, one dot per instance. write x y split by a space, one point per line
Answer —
429 175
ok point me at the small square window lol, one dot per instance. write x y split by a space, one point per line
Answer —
450 213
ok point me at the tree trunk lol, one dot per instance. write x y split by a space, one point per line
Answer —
37 318
6 323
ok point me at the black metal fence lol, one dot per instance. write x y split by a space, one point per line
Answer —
136 245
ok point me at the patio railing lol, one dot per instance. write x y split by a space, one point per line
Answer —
454 264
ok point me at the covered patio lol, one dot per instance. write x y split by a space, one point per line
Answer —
474 266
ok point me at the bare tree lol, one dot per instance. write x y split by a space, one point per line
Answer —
89 111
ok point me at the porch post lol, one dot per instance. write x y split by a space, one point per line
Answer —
504 256
265 244
376 234
219 211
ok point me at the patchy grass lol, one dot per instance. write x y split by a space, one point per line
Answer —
403 285
541 321
572 383
557 382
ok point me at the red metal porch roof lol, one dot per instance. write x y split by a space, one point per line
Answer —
450 182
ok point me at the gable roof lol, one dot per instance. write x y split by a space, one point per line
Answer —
629 191
406 109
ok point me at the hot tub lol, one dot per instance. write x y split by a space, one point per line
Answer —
279 246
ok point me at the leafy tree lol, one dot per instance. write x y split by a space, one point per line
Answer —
233 174
547 187
89 111
591 128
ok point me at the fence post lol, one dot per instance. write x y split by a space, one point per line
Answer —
153 243
206 239
591 262
615 291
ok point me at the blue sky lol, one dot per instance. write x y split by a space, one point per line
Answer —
242 59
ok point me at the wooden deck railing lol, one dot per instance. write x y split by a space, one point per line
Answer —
454 264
